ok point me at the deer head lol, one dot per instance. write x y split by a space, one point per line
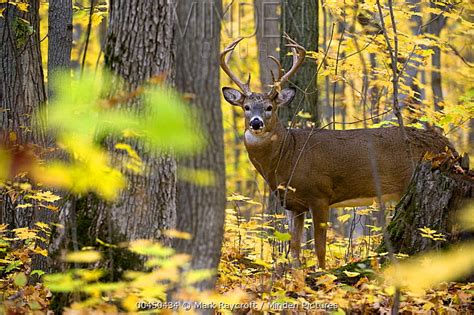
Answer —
261 108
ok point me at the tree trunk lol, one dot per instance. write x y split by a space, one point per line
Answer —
59 38
200 208
431 200
267 23
22 92
139 46
434 28
299 19
411 71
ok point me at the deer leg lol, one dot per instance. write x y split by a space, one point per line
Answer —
320 219
295 225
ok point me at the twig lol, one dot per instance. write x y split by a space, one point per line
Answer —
88 35
457 53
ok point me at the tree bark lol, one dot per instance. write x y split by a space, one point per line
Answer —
139 46
431 200
22 92
411 70
267 23
201 209
299 19
59 38
434 28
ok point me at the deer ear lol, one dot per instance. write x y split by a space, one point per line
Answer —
285 96
233 96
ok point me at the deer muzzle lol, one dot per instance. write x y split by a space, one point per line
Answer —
256 124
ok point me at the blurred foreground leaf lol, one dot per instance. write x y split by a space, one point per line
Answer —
82 117
86 256
425 271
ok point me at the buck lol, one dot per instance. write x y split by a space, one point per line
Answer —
321 168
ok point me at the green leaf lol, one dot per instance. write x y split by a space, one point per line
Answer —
282 236
20 279
37 272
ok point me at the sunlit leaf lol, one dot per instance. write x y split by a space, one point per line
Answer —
344 218
178 234
351 274
20 279
62 282
427 270
86 256
150 248
282 236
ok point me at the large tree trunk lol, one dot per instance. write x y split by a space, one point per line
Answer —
201 209
299 19
432 199
59 38
268 36
139 46
22 92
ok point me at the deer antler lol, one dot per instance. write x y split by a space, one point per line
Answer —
299 54
225 57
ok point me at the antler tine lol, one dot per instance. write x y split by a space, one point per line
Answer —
224 60
280 68
299 54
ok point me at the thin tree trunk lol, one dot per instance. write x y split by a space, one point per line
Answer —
201 209
411 71
139 46
434 28
299 19
59 38
268 36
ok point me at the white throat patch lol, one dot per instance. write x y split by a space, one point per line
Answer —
252 139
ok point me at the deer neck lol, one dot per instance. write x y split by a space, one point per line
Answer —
265 150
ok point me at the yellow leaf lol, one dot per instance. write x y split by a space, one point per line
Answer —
24 233
343 218
351 274
86 256
425 271
428 305
22 6
130 303
24 205
178 234
40 251
25 186
125 147
44 196
97 19
304 115
236 197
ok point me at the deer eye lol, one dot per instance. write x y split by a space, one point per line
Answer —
246 107
269 108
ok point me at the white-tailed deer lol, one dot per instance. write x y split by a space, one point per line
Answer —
322 168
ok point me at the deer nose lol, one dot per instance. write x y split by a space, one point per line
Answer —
256 123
